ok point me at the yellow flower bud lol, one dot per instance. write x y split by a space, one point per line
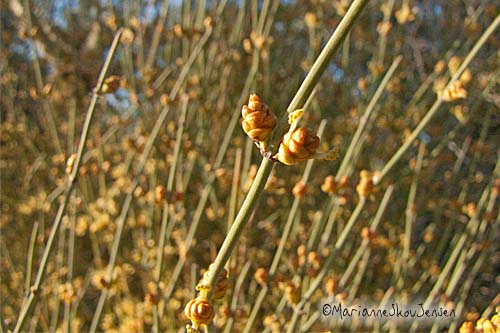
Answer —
311 20
329 185
127 37
440 66
467 327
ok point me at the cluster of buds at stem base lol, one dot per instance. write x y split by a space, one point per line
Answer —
199 310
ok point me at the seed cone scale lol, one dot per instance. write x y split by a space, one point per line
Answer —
297 146
200 311
258 121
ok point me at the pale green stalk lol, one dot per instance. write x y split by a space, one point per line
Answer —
218 162
330 223
345 51
236 33
355 145
233 200
472 229
467 254
353 289
318 224
69 279
208 186
142 162
31 257
155 40
47 107
71 126
410 206
383 38
54 316
444 241
362 249
466 287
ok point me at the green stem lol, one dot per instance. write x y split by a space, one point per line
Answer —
240 221
31 256
410 210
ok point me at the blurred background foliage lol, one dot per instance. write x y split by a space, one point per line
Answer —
51 55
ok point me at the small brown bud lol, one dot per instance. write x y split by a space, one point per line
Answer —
160 193
127 36
200 311
365 186
258 121
261 276
111 84
300 190
292 293
297 146
329 185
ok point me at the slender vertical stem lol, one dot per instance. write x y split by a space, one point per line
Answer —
410 207
240 221
155 41
31 256
164 221
69 188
